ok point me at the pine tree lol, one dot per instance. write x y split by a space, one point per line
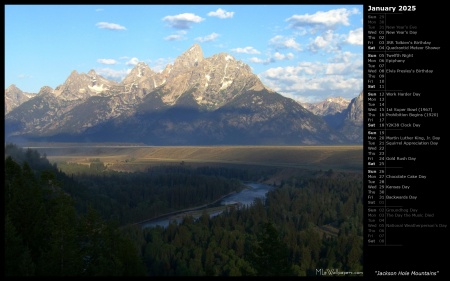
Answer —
270 255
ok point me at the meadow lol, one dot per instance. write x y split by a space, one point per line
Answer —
134 158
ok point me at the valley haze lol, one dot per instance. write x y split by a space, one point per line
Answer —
140 158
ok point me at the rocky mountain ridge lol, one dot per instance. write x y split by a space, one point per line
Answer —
327 107
197 100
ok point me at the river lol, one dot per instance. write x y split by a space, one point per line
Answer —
245 197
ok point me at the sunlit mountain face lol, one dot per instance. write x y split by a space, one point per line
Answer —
195 100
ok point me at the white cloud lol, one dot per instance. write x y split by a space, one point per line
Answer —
355 37
335 68
320 42
177 37
346 57
281 42
211 37
256 60
107 61
182 21
132 61
111 26
246 50
113 74
320 20
328 42
313 81
161 63
276 57
221 14
24 76
173 37
279 56
261 61
345 63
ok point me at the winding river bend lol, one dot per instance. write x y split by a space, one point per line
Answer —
244 197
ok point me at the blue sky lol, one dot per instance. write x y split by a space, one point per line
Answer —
305 52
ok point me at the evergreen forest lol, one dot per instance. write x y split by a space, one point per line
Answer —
73 220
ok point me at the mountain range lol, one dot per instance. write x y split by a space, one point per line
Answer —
194 101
